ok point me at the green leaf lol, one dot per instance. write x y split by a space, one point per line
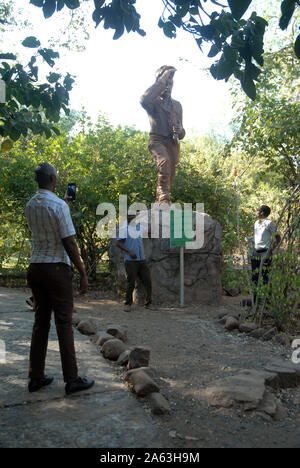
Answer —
56 131
213 51
119 32
38 3
249 87
6 146
297 47
60 5
183 10
8 57
169 29
53 77
176 20
252 72
223 69
97 17
68 82
49 8
238 7
48 55
99 3
287 10
31 42
72 4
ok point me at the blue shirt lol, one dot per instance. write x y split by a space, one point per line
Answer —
135 244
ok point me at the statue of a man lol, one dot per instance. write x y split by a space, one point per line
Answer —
165 115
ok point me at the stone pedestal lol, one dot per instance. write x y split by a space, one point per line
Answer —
202 268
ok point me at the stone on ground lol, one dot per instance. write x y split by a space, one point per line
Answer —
258 333
102 338
113 348
231 323
141 381
247 327
139 357
118 332
158 403
87 327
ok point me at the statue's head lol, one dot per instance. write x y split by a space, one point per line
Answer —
161 71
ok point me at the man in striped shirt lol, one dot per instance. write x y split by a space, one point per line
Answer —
50 278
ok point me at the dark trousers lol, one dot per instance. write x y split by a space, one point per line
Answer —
134 270
255 266
51 285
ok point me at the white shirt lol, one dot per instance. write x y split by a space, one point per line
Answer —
49 221
263 233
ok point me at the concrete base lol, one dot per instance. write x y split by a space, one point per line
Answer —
202 265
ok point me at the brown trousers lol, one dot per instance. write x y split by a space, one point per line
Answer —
165 152
51 285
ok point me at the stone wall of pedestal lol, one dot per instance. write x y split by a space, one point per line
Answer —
202 269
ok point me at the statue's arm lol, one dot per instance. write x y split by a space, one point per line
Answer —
151 94
180 130
161 84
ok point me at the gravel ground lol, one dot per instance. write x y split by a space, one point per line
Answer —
190 349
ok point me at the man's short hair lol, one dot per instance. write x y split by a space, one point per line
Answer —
44 173
265 209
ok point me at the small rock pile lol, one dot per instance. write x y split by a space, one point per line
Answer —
139 376
249 389
236 323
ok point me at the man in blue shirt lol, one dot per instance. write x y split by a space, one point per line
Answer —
135 261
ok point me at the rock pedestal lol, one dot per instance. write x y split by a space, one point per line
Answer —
202 266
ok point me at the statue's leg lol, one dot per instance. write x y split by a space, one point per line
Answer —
159 151
173 149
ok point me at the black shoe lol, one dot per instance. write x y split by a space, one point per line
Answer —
35 384
78 385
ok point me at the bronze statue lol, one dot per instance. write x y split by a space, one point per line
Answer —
165 115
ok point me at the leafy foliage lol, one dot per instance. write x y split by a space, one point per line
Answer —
269 127
282 292
30 105
105 162
238 43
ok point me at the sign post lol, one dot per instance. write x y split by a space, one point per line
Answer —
181 223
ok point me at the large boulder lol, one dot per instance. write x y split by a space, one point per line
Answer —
246 391
202 266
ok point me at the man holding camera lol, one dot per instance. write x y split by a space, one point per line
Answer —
165 115
50 278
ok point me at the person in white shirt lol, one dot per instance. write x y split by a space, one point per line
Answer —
50 278
265 241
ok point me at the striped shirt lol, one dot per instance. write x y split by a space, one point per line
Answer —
49 221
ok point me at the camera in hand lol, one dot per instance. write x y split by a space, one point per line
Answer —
72 191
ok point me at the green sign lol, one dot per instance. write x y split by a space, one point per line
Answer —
181 228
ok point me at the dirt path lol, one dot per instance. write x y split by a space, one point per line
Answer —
190 349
